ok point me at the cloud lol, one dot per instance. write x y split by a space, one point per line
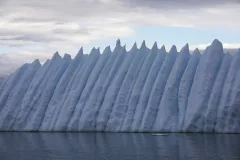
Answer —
11 61
225 45
178 4
36 29
31 38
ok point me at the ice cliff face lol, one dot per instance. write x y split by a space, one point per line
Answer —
141 90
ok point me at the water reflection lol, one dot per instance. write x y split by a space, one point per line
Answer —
109 146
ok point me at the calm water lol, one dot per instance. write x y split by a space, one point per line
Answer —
102 146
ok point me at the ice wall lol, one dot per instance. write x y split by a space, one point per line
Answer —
141 90
203 83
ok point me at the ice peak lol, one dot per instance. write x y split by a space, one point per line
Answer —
80 51
206 50
98 50
163 49
56 55
118 46
216 42
24 65
185 49
155 45
107 50
173 49
79 54
94 51
37 62
143 48
46 62
134 47
155 48
118 43
196 52
67 56
123 50
216 48
143 44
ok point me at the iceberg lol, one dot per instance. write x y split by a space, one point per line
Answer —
61 89
74 122
11 107
167 115
203 82
140 90
137 112
216 95
69 105
138 86
185 87
31 96
120 104
111 93
155 96
228 95
38 113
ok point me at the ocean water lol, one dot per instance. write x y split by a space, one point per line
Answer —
118 146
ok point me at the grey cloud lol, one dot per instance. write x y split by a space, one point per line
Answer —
177 4
76 8
82 31
31 12
2 2
6 32
32 38
32 20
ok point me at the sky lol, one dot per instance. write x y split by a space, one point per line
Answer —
31 29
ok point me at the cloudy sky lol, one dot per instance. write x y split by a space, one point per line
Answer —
31 29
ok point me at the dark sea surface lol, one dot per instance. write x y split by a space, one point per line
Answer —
118 146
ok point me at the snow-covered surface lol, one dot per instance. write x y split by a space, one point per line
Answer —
141 90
